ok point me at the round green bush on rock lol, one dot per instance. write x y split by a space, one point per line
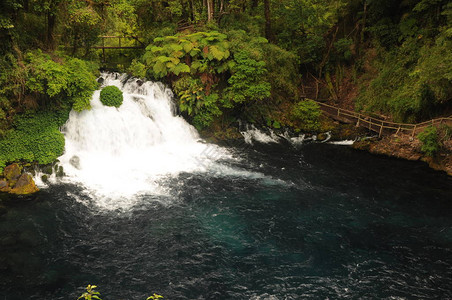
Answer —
111 96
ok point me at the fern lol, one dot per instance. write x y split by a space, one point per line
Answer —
216 52
181 68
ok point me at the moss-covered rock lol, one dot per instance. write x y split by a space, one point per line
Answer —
24 185
12 172
60 172
3 185
45 178
47 170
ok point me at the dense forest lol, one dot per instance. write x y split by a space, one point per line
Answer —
226 60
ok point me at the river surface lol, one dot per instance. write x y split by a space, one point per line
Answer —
258 220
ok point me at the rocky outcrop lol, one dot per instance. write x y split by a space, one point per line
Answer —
405 147
12 172
14 181
25 185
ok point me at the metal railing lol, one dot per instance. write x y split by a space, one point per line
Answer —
137 44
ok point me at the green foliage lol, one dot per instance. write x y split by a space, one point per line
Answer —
82 27
197 62
35 137
412 83
429 138
246 82
111 96
193 53
194 100
43 89
121 17
137 69
154 297
282 74
307 113
414 67
90 293
45 80
302 26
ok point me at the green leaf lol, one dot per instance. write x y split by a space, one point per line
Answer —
156 49
176 47
181 68
216 52
195 51
163 59
196 65
159 69
188 47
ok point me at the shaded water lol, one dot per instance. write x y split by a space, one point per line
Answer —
321 221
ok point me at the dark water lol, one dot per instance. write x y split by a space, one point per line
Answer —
325 222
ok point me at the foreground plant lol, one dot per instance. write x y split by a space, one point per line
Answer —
154 297
90 293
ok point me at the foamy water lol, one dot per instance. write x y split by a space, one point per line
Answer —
119 152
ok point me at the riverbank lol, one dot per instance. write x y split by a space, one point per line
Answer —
403 146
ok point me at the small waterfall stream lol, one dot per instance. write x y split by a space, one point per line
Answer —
120 152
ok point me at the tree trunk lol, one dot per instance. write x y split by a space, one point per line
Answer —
221 8
192 11
268 23
51 18
210 10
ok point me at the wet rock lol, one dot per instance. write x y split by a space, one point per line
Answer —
12 172
75 162
47 169
322 137
100 80
60 172
4 186
24 185
45 178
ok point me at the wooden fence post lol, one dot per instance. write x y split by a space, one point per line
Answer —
414 130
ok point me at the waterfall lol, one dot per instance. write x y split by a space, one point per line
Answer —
119 152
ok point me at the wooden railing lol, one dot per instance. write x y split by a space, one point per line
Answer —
378 125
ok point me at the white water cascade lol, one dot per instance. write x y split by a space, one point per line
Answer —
119 152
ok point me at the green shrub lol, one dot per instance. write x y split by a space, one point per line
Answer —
307 114
35 138
90 293
246 83
137 69
194 100
111 96
47 80
429 139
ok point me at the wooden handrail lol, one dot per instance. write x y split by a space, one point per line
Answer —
378 125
